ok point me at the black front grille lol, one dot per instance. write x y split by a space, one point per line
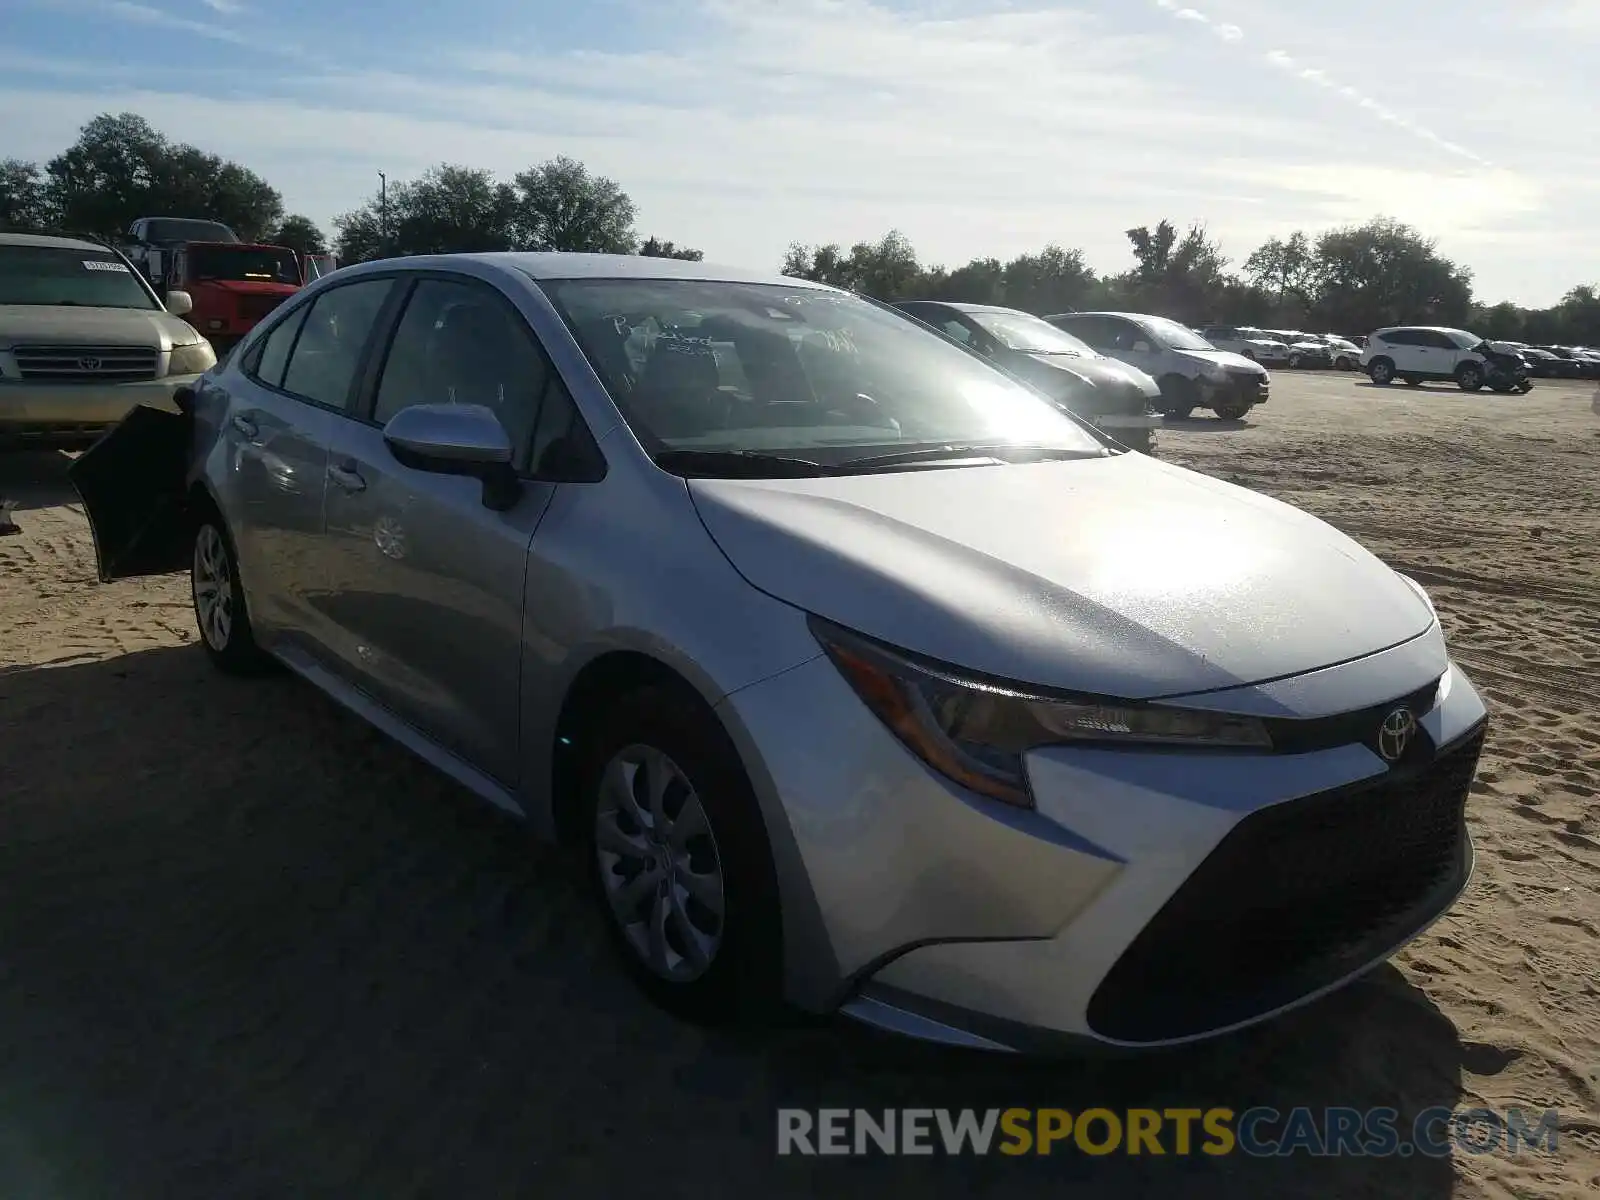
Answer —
254 308
1295 898
86 364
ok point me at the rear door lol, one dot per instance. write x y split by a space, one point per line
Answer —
426 582
283 402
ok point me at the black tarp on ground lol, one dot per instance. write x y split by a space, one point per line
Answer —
132 483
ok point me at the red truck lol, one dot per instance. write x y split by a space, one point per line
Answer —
233 284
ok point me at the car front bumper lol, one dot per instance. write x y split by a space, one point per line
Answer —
47 412
915 906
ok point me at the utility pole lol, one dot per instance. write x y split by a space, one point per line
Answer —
383 209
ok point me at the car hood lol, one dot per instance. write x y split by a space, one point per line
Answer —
55 325
1224 358
1120 576
1102 372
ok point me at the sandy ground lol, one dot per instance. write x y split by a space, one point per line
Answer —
248 948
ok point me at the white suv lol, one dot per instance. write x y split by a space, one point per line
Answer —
1419 353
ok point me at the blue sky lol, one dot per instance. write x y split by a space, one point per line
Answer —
978 127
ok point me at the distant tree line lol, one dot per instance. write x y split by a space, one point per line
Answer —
1353 279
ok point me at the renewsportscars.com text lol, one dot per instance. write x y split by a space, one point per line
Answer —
1256 1132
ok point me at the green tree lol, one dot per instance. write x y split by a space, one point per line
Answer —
447 210
300 234
560 206
1051 281
24 199
886 269
1285 267
121 168
654 247
1180 277
1386 273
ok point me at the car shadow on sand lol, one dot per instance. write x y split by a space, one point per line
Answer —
36 479
250 947
1190 425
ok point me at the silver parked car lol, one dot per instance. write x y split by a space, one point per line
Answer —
863 678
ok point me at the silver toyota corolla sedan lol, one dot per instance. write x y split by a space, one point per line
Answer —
863 678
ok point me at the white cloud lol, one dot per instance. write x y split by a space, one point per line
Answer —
976 131
228 8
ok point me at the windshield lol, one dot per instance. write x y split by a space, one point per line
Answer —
257 264
1463 339
52 275
734 367
167 230
1031 335
1177 337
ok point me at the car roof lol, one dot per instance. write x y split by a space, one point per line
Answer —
961 306
50 241
1425 328
564 265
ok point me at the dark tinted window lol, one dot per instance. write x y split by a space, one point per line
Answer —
180 229
1438 341
323 365
461 343
559 421
271 353
1099 332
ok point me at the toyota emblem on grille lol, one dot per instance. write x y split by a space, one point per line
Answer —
88 364
1395 734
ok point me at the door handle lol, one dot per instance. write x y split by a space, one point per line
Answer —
246 426
346 476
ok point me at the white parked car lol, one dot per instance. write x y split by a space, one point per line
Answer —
1254 344
1420 353
1189 370
1346 354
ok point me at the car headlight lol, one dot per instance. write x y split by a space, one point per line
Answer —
192 359
975 732
1422 592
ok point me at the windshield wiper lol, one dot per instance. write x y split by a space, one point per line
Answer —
737 464
957 453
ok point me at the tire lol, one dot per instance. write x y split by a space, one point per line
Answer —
1413 381
220 612
1381 371
1231 412
659 734
1179 397
1469 377
1294 362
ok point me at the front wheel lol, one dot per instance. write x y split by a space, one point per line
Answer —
679 859
219 605
1469 377
1231 412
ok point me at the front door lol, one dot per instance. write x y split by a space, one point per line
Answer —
425 581
280 418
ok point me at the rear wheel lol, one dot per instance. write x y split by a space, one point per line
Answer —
1381 371
679 859
1179 396
219 605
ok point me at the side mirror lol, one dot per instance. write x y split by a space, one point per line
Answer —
457 439
179 303
1140 347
